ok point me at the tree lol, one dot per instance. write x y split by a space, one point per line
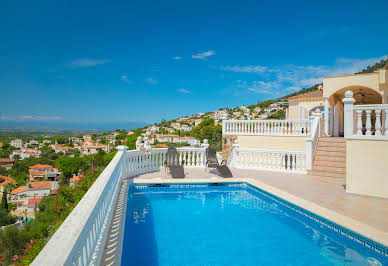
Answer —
4 201
3 171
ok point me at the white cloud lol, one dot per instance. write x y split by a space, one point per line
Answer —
85 62
152 81
244 69
177 58
32 117
184 90
125 79
284 79
204 55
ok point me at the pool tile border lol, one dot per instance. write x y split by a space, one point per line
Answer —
367 242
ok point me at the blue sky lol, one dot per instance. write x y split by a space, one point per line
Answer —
100 61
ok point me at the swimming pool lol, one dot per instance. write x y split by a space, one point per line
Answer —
229 224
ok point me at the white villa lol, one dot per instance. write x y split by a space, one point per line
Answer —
17 143
349 139
328 159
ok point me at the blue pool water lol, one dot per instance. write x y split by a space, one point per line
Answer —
229 225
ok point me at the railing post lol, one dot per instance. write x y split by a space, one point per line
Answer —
235 146
326 110
348 114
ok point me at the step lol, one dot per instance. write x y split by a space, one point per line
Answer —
331 149
319 167
332 139
329 161
325 157
330 153
331 144
328 173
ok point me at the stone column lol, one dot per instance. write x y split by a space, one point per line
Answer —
348 114
326 110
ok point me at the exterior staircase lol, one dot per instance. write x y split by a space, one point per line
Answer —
330 158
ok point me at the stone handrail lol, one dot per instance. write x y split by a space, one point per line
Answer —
80 238
266 127
371 120
287 161
312 142
377 127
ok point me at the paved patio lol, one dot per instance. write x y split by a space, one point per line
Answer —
325 196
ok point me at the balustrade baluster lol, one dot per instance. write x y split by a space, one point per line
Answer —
269 160
378 122
359 122
288 162
368 123
386 122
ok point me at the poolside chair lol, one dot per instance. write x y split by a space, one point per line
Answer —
171 164
212 162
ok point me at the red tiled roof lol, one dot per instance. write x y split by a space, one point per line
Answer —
187 137
40 184
7 179
162 145
39 166
6 160
19 189
310 94
76 178
34 201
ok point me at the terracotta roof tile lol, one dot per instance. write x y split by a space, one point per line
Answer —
39 166
32 202
6 180
19 189
310 94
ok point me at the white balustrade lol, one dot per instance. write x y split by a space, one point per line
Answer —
266 127
372 121
288 161
80 238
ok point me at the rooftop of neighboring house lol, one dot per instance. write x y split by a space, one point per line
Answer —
161 145
32 186
87 135
317 94
16 140
166 136
41 166
60 147
34 201
183 138
4 180
6 160
76 178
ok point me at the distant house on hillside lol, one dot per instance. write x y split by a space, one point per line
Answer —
87 137
190 140
75 179
167 138
74 140
34 142
4 180
27 197
43 171
7 163
17 143
60 148
24 153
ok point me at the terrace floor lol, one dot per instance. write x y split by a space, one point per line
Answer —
324 196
